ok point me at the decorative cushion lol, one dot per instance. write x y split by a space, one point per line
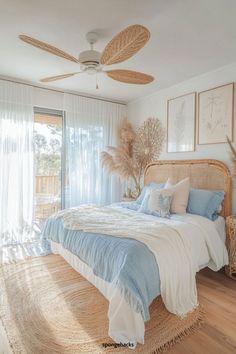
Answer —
149 186
180 196
205 203
157 202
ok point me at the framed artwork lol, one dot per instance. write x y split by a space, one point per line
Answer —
181 113
215 114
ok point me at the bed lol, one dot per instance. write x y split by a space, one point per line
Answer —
127 257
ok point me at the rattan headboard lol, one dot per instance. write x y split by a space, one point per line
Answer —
203 174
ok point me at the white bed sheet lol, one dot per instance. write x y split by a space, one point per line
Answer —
220 227
125 325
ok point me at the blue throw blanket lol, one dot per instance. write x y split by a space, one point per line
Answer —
126 263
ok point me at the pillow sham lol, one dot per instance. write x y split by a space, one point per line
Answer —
153 185
157 202
180 195
205 203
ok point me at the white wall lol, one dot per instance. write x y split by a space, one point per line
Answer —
155 105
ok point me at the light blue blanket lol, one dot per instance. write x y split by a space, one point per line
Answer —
126 263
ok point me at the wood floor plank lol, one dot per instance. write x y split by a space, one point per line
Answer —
217 294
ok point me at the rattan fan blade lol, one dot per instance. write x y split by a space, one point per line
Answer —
58 77
125 44
47 47
130 77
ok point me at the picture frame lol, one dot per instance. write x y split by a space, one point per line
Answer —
181 123
215 114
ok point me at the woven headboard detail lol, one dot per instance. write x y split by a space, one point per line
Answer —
204 174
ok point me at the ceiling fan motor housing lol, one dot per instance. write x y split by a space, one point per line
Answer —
90 60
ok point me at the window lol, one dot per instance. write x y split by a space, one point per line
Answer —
48 129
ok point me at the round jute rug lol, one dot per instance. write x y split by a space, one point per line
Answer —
47 308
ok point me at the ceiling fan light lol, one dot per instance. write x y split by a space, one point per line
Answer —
91 70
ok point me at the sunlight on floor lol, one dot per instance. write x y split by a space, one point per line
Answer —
16 253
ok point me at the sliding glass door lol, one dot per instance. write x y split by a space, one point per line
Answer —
48 128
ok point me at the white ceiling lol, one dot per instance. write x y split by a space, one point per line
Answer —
188 38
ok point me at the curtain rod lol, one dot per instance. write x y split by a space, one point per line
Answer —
60 91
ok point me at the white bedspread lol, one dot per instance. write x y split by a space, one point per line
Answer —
168 240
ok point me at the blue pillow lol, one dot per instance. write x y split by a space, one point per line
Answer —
149 186
205 203
144 205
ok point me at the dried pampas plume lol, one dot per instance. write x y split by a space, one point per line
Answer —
118 160
126 136
233 151
136 149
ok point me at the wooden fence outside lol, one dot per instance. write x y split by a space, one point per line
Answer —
47 199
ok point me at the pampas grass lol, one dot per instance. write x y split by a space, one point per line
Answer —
233 151
117 160
135 150
127 136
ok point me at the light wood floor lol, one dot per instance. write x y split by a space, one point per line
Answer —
217 294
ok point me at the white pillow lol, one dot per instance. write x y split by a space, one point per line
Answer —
180 195
159 202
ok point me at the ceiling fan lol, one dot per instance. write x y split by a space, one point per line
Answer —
123 46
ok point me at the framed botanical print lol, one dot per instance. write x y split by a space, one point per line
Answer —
215 114
181 112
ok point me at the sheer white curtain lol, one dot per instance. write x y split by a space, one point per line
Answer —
91 125
16 163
